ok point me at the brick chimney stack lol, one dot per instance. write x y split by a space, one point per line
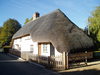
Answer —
35 15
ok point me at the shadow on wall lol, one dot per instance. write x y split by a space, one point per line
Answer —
84 72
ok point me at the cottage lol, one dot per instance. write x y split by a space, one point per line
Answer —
50 35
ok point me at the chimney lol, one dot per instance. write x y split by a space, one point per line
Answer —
35 15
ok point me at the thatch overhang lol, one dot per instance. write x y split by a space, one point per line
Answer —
57 29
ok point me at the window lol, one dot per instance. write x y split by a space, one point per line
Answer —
45 48
31 48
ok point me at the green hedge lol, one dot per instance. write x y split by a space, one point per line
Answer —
6 49
96 54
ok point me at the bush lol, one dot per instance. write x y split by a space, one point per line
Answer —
96 54
6 49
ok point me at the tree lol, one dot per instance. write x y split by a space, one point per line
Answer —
94 25
0 34
10 27
0 29
28 20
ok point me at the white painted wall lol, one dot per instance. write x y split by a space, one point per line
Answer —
58 55
16 42
25 44
45 53
35 48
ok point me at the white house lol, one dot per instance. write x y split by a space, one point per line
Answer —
50 35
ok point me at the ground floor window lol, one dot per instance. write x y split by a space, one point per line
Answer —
32 48
45 48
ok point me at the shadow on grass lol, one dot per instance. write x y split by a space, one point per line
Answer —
84 72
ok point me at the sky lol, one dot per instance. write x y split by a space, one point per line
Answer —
77 11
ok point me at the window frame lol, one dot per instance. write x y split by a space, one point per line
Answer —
45 48
31 48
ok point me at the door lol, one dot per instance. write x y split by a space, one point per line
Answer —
39 49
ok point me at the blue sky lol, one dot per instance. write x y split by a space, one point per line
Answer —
78 11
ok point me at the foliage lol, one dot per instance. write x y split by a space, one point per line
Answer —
0 29
96 54
94 25
28 20
10 27
0 36
6 49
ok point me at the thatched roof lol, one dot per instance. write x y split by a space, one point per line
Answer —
57 29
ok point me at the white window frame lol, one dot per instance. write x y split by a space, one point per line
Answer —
45 48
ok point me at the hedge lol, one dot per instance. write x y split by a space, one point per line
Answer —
6 49
96 54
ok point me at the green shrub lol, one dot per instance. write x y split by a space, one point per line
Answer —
96 54
6 49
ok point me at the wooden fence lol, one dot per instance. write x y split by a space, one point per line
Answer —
79 59
15 52
50 62
55 63
80 56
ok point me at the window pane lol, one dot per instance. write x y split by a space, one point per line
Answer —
45 48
